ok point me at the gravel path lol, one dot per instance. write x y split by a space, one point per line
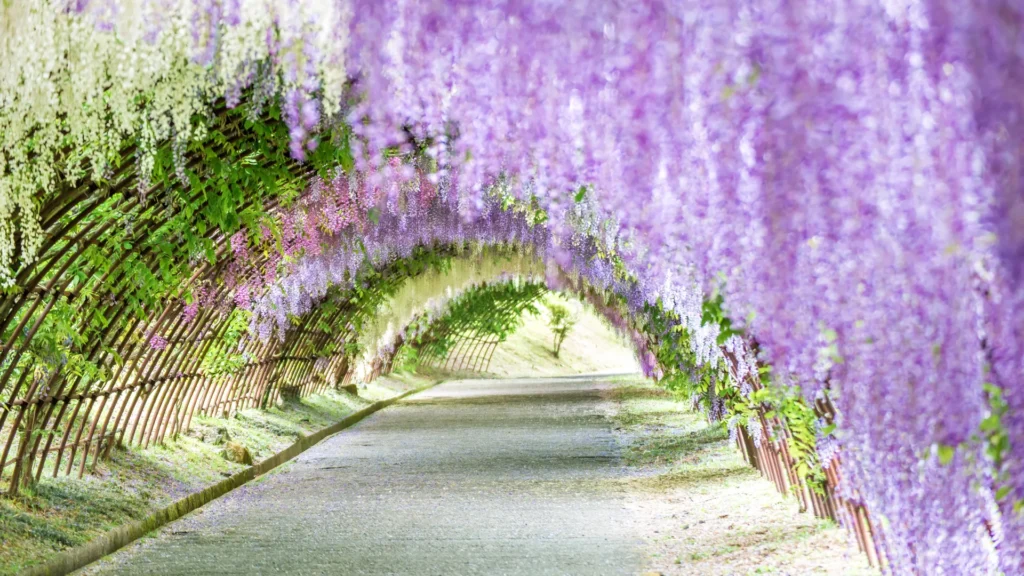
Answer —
470 477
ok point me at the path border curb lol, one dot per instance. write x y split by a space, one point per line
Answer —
81 556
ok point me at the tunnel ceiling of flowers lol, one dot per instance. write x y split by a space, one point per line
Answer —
806 215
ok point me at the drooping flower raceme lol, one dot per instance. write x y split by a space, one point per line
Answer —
95 76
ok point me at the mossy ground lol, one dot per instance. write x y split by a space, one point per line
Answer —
58 513
710 513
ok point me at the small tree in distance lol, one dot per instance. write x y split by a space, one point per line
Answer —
560 320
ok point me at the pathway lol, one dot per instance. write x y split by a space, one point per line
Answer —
471 477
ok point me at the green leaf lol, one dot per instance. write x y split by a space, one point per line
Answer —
995 393
946 454
991 424
580 194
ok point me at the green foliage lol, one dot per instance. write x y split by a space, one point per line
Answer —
371 288
786 403
153 233
561 321
488 310
794 422
406 360
996 440
580 194
223 355
993 437
993 429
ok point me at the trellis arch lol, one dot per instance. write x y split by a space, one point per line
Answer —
88 277
152 392
98 344
159 392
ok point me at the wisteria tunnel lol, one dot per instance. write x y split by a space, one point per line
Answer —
805 218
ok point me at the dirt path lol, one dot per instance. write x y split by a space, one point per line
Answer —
571 475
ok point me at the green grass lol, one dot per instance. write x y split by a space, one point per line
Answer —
673 432
725 518
679 443
61 513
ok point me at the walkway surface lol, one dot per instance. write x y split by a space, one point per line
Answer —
471 477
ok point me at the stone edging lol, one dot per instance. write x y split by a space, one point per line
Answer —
74 558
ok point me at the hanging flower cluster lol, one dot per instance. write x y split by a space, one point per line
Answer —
356 220
82 80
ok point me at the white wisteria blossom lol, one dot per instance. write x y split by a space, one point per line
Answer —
82 81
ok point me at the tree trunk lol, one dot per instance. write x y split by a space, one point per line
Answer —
22 475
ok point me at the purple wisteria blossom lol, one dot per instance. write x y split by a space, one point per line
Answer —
845 173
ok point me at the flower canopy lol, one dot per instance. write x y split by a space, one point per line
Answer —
824 195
